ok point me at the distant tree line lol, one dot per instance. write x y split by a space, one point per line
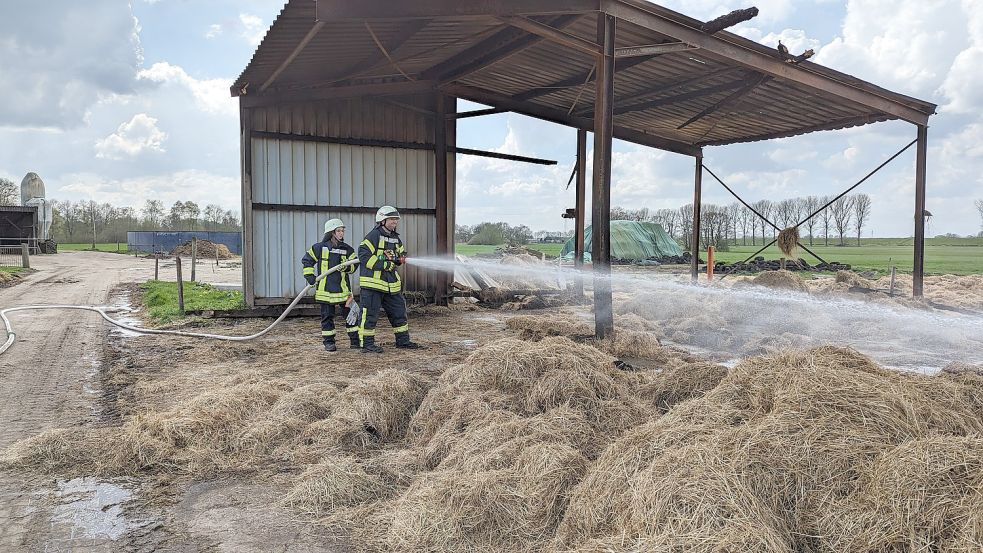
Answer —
9 192
736 224
493 234
88 221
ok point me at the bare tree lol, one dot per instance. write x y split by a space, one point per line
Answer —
733 218
979 207
842 213
785 212
765 208
747 220
861 212
9 195
686 227
669 219
153 213
809 205
827 217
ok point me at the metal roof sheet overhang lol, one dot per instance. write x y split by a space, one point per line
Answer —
676 87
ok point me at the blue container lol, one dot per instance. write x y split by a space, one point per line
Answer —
164 241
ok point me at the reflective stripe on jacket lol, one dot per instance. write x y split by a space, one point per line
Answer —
376 271
319 259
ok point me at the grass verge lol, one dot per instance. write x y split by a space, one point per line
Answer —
160 299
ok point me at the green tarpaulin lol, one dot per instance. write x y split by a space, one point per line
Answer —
631 241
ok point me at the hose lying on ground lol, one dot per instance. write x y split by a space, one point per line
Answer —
11 336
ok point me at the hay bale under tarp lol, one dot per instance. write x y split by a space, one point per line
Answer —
780 280
206 250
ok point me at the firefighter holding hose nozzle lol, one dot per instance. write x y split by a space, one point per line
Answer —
380 254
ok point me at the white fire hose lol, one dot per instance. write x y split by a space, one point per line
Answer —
11 336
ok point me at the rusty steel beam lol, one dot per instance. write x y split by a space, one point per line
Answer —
440 178
377 57
579 215
716 48
669 100
728 101
475 113
601 197
387 9
577 80
652 49
501 45
694 264
921 162
563 118
396 144
634 98
552 34
293 54
334 92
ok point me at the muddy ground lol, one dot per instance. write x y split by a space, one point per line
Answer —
69 369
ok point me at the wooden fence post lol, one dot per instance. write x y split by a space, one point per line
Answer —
180 286
194 257
156 266
25 256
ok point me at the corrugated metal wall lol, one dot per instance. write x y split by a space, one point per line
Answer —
332 175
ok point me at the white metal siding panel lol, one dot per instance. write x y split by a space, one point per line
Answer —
308 173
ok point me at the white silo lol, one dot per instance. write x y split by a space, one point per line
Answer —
32 194
31 187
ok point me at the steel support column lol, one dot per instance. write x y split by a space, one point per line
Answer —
918 269
580 206
444 244
601 198
694 264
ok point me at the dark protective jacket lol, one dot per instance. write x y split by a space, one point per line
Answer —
377 272
321 257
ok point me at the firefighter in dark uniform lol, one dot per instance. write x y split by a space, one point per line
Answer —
333 292
380 253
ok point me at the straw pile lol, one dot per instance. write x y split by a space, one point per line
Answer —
7 279
852 279
234 427
537 327
780 280
206 249
770 459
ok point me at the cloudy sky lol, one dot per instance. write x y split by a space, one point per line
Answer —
120 102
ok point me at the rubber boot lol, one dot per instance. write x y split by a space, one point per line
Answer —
330 347
368 345
403 341
356 343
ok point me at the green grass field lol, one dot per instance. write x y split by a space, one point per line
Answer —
102 247
13 269
468 249
160 299
959 256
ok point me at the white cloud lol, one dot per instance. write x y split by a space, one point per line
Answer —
252 28
138 135
211 95
201 186
214 30
795 39
57 59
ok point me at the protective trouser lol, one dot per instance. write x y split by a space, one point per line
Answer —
395 307
328 313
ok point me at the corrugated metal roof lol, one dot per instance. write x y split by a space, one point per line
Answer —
656 96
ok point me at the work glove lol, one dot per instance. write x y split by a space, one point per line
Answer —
401 260
310 279
353 314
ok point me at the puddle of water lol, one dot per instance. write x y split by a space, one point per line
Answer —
123 311
92 508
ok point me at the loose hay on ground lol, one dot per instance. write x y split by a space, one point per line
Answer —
206 249
780 280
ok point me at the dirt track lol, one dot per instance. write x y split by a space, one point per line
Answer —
51 378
